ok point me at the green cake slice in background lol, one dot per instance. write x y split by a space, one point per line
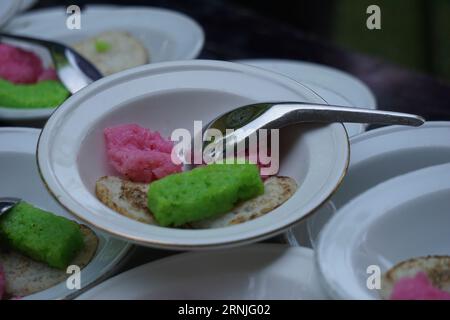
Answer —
41 235
44 94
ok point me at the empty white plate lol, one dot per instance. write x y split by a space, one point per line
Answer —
334 86
263 271
377 156
20 178
167 36
402 218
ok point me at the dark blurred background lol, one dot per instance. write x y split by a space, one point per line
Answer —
415 33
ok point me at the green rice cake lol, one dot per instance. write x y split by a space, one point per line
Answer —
44 94
41 235
202 193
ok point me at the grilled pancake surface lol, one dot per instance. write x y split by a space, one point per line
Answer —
130 199
437 268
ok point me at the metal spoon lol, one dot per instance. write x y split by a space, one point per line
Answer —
248 119
74 71
7 203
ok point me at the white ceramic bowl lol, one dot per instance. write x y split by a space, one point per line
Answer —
20 178
166 96
402 218
377 156
167 35
261 271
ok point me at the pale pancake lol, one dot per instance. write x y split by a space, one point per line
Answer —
25 276
130 199
124 52
437 269
125 197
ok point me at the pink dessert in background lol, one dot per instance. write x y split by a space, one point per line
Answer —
22 66
48 74
418 287
2 282
138 153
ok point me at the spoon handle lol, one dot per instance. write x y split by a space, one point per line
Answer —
310 112
44 43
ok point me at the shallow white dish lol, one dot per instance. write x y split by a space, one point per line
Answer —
167 96
167 35
262 271
405 217
334 86
377 156
20 178
8 8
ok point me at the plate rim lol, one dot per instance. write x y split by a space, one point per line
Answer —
290 236
313 68
333 286
14 7
27 4
303 63
192 256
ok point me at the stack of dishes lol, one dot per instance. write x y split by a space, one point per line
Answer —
350 216
157 35
111 37
393 206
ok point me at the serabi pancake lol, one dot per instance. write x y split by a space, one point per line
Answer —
123 51
437 269
130 199
277 190
125 197
25 276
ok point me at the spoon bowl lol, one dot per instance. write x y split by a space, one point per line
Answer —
7 203
74 71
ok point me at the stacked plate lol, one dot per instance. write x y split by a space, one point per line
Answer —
393 206
163 35
20 178
332 85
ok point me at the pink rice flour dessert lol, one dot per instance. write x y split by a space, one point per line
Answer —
22 66
139 154
2 282
418 287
